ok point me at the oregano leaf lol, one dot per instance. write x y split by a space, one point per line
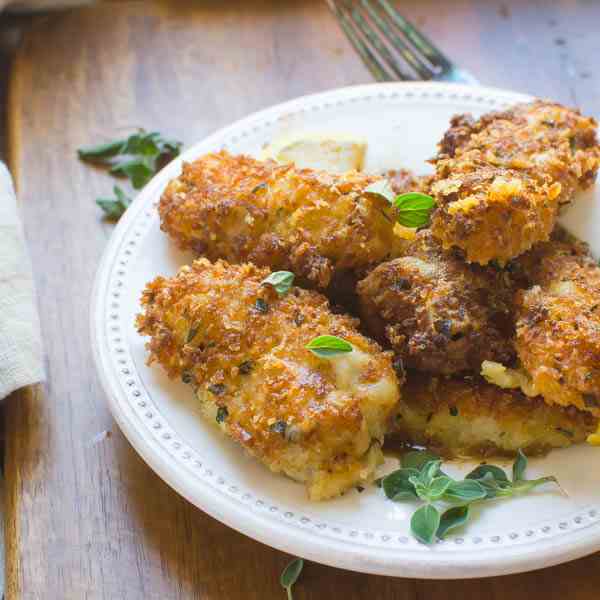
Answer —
326 346
424 523
519 466
467 490
451 519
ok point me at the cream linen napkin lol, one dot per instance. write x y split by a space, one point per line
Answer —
21 356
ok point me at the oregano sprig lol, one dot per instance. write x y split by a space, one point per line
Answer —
281 281
326 346
114 207
290 575
137 157
421 478
413 209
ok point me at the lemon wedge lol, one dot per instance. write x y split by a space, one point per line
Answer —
336 154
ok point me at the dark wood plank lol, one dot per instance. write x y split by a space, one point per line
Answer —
88 519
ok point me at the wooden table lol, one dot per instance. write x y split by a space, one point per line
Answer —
86 518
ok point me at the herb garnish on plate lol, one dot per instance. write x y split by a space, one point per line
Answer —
281 281
326 346
421 478
412 209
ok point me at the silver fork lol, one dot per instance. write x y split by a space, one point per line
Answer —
382 36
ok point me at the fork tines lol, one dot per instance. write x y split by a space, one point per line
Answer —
388 44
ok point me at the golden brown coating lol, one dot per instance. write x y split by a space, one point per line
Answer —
501 180
310 222
404 181
242 347
438 313
558 323
461 417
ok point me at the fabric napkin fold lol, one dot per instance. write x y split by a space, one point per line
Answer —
21 354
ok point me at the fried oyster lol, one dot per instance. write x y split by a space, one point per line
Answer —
558 323
242 347
501 180
438 313
313 223
467 417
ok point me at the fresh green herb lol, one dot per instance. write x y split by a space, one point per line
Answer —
422 478
397 485
261 306
519 466
483 470
101 151
454 517
429 471
222 414
431 489
290 575
281 281
114 207
326 346
142 143
413 209
468 490
425 522
218 389
145 153
246 367
381 187
416 459
138 170
497 484
194 329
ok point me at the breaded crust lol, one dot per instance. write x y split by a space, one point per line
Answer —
404 181
310 222
470 418
438 313
242 348
501 180
558 323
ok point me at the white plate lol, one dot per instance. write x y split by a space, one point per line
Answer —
364 532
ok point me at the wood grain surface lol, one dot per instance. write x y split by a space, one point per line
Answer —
86 518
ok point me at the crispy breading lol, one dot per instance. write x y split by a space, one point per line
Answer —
438 313
501 180
310 222
558 323
404 181
242 347
466 417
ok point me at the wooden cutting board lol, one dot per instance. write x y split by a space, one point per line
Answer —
86 518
